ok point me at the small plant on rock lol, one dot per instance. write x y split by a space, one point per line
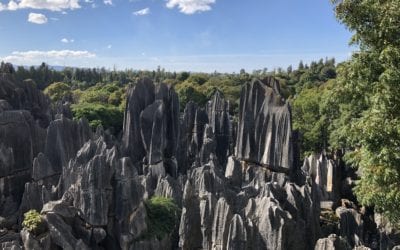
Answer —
163 215
33 222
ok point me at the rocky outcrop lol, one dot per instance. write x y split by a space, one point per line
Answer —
333 242
20 140
264 134
64 138
326 175
25 96
218 116
191 136
139 97
153 131
92 188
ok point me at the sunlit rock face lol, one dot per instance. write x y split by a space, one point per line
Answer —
264 133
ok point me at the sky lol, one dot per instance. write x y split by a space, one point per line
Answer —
178 35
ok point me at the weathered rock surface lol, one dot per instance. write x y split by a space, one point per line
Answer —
91 188
326 175
264 134
218 116
64 138
24 96
139 97
20 140
333 242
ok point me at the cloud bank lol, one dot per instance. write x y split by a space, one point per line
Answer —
52 5
52 56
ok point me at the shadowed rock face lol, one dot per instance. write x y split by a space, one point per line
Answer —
25 96
141 96
264 133
151 123
64 138
218 116
20 140
153 131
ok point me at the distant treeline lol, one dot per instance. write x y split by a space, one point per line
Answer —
99 94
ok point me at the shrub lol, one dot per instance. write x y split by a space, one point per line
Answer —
163 215
32 222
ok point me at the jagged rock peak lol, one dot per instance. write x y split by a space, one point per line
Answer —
264 134
151 122
25 96
64 138
219 120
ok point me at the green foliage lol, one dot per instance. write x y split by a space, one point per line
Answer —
307 119
32 221
189 92
99 114
163 216
368 94
58 90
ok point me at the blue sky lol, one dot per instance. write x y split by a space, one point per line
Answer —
194 35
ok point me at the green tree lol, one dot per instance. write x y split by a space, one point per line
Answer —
57 91
369 124
100 114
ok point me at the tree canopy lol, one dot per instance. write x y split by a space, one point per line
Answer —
368 96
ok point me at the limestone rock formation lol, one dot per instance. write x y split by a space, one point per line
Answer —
326 175
236 184
264 133
218 116
333 242
139 97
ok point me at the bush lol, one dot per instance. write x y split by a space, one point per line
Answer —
163 215
33 222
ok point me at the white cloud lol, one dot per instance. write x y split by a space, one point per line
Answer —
53 5
12 5
191 6
142 12
37 18
51 56
109 46
66 40
108 2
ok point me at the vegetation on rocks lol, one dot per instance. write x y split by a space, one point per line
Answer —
33 221
163 216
